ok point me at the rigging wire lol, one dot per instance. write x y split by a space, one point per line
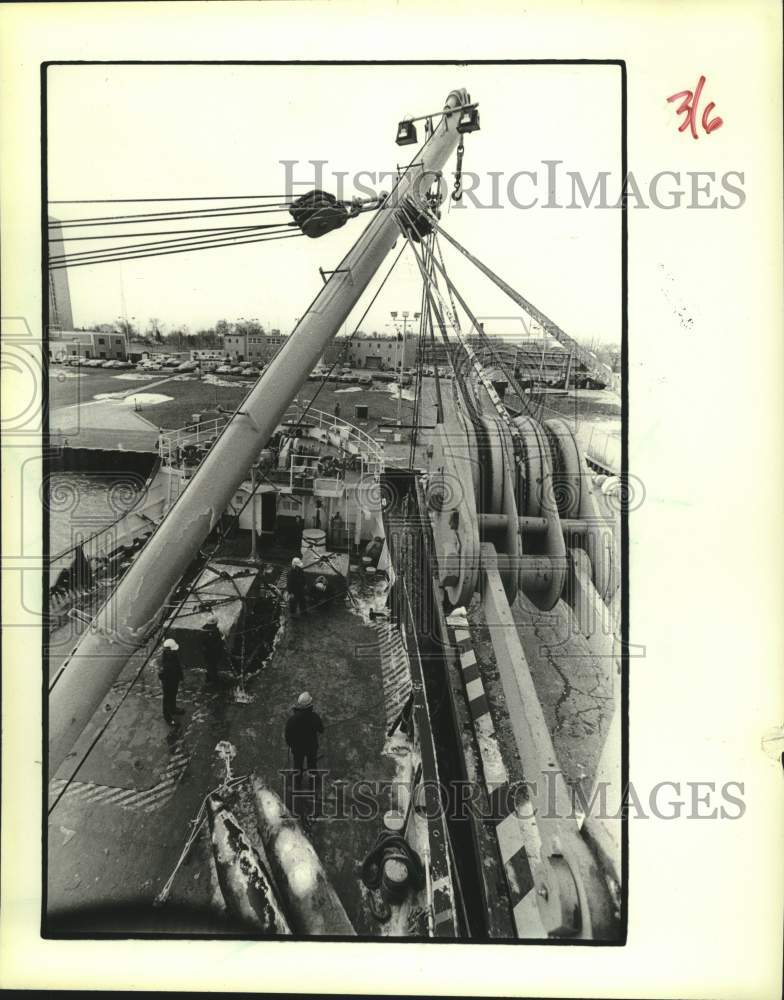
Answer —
433 286
188 249
167 623
201 197
209 212
161 629
489 346
103 252
421 360
212 211
349 339
548 326
166 232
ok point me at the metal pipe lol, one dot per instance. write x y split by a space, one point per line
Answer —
498 522
129 617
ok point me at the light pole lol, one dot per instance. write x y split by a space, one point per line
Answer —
398 362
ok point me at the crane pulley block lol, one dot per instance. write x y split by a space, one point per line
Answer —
318 213
416 221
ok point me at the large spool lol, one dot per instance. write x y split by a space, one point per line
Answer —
499 472
535 457
567 467
452 510
542 587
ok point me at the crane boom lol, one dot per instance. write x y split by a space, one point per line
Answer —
129 616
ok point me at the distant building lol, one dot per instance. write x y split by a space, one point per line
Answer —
87 344
379 353
60 314
258 347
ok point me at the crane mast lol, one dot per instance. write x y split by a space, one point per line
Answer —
136 607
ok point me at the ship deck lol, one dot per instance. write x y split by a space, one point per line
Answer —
117 831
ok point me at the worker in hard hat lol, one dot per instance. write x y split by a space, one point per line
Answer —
214 648
302 732
295 584
170 674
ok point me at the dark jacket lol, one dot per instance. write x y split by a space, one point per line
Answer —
213 640
295 581
171 668
303 727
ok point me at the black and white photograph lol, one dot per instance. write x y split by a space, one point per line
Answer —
335 526
392 460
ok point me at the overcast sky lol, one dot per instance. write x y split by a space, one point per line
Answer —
163 131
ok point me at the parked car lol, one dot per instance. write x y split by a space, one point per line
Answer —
76 362
187 366
236 370
365 379
223 370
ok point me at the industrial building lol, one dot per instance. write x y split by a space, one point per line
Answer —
87 344
258 347
378 353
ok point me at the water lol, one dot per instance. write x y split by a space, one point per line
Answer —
81 503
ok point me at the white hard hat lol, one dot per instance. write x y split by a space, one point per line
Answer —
305 700
170 644
296 562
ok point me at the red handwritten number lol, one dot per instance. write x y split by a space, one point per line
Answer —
688 107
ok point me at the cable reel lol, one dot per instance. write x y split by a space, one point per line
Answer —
535 454
567 467
498 474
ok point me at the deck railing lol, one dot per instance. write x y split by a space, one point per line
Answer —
172 444
171 447
372 450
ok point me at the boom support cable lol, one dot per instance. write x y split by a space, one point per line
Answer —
146 201
184 249
548 325
103 252
428 249
471 355
212 211
165 232
325 379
